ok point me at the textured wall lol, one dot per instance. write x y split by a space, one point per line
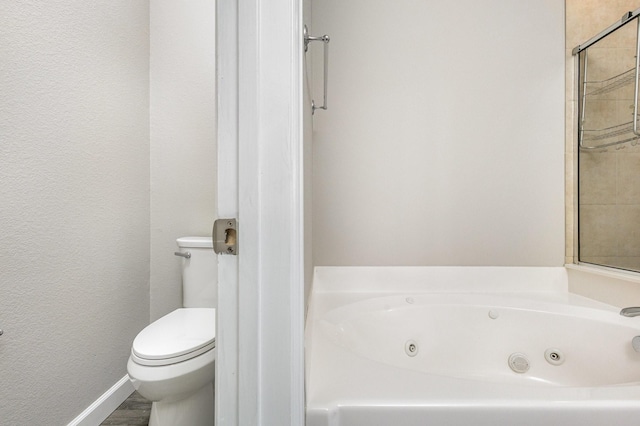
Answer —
183 131
443 142
74 201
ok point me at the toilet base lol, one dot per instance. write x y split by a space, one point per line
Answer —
195 410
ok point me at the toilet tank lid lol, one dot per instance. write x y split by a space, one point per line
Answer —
195 242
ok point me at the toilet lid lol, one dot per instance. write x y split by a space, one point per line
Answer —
178 336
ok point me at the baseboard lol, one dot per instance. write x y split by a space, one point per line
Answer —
105 405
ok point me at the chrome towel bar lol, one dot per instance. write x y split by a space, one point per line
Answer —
325 40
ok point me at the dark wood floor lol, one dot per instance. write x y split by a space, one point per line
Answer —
134 411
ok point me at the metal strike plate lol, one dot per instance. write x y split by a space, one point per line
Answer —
225 236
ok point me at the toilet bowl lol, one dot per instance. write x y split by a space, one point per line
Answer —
172 360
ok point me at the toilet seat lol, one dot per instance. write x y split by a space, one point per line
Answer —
178 336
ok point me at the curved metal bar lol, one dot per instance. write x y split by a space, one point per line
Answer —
584 98
325 40
635 95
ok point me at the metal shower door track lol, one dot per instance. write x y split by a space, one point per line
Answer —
625 19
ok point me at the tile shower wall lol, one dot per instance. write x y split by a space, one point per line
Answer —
608 194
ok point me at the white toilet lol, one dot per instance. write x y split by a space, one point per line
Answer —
172 359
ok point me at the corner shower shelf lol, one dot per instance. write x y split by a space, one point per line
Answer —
608 113
614 134
599 135
600 87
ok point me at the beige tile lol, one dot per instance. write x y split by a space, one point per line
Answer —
628 229
623 37
624 114
628 179
602 260
598 236
598 115
569 196
601 63
570 62
627 57
568 249
597 183
583 21
625 94
626 35
569 176
631 263
632 147
586 18
570 128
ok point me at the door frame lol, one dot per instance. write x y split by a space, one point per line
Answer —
260 316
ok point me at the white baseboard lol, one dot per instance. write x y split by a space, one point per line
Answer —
105 405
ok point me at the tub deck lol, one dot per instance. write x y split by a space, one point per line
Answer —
345 388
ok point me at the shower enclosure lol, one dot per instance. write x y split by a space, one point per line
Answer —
608 155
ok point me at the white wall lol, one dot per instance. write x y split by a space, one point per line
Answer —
183 146
307 157
443 142
74 201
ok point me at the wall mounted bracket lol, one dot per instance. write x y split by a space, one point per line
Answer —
325 40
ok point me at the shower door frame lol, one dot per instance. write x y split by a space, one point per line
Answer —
260 323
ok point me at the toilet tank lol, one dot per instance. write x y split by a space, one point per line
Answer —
199 272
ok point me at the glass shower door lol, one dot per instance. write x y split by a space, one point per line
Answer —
608 150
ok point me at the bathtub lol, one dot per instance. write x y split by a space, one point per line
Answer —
465 346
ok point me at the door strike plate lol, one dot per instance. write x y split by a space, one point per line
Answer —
225 236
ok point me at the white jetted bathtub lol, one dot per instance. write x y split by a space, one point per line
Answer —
466 346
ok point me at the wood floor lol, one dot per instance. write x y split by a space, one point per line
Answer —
134 411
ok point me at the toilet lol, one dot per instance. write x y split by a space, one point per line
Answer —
172 360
